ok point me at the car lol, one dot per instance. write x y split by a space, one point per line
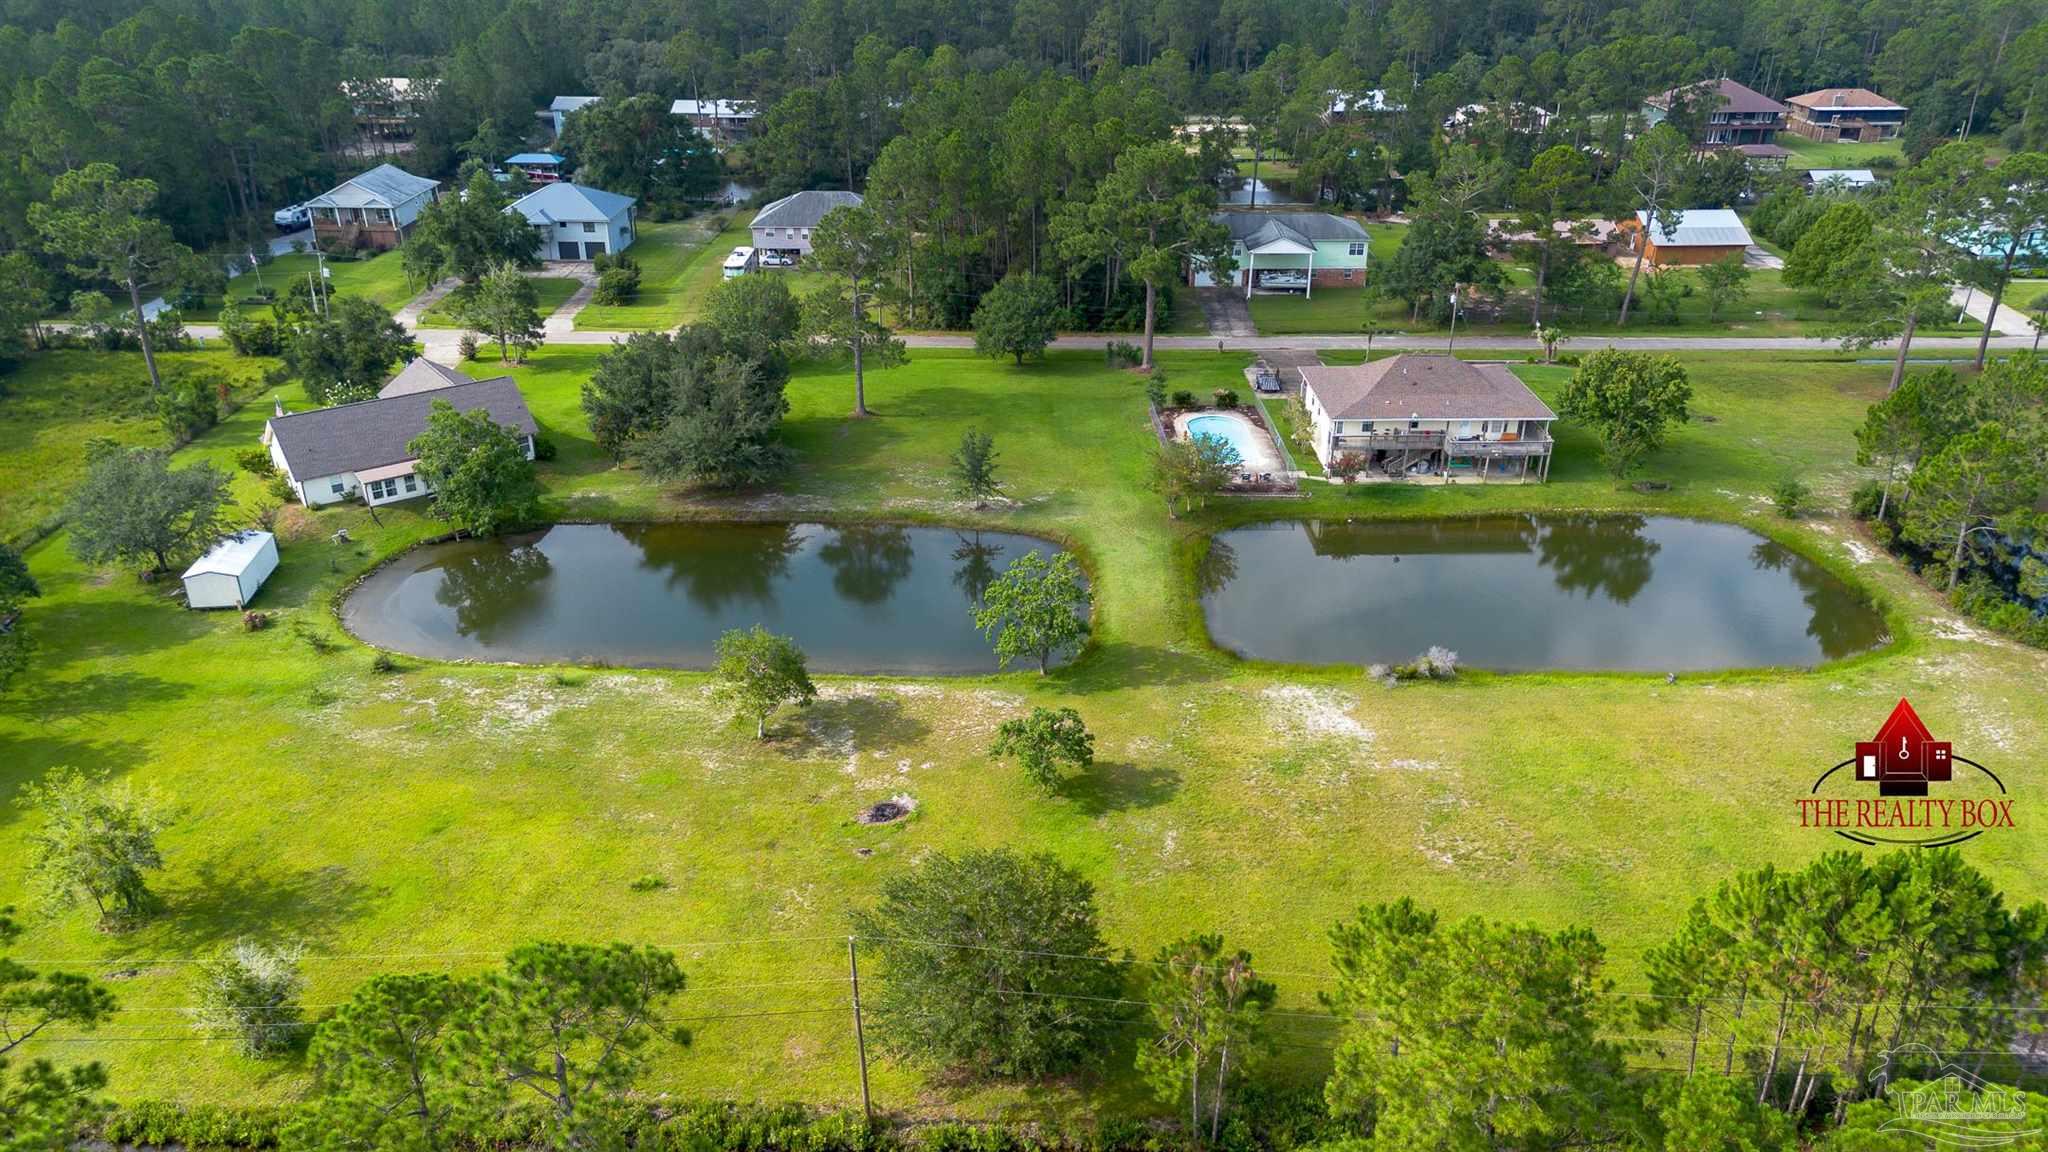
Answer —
777 260
292 218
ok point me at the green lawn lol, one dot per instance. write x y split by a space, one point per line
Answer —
553 291
380 278
431 818
669 254
1813 154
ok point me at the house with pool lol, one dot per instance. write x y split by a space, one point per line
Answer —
1289 252
1413 416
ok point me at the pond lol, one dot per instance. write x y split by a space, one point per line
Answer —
1520 593
857 598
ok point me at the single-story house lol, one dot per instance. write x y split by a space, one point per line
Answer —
575 222
421 375
1289 252
1736 113
231 571
1703 236
540 167
721 120
559 109
1840 178
784 227
1424 414
359 451
1853 114
378 207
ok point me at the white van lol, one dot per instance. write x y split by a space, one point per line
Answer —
740 262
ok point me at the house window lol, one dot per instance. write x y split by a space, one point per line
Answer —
1347 273
382 489
411 485
338 487
588 227
1357 249
1365 425
807 233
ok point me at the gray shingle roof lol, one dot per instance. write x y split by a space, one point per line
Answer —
1419 387
353 437
1301 227
422 375
385 186
569 204
804 209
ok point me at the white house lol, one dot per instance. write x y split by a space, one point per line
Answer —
231 571
573 222
360 451
720 120
377 207
559 109
1417 414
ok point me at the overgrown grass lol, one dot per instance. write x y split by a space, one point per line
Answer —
552 291
380 278
430 819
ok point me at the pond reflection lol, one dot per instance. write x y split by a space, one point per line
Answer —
858 598
1529 592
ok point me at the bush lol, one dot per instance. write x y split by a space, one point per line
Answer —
280 487
618 285
1155 392
1347 466
1791 496
1863 502
606 261
1183 399
648 884
255 621
543 448
1439 663
1226 397
466 346
188 406
256 462
383 663
1123 354
250 993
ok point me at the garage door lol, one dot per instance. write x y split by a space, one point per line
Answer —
592 249
565 250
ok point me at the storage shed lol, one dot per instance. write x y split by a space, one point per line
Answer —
231 571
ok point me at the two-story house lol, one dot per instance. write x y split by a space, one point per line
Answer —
373 210
1428 415
1289 252
1722 114
724 121
1853 114
574 222
782 230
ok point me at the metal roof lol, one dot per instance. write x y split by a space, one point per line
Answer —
385 186
804 209
1412 386
1854 177
232 556
422 375
1699 228
730 109
353 437
570 204
524 158
1247 228
571 103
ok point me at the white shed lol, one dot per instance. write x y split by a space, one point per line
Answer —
231 571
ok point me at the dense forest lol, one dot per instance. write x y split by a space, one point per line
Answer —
234 106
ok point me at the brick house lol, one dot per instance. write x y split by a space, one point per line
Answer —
1857 115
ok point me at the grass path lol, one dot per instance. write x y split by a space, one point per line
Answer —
667 251
431 818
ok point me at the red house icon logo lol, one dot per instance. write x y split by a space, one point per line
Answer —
1904 757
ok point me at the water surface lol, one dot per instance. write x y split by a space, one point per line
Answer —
857 598
1529 592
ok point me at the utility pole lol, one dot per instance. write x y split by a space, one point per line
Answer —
860 1043
1452 347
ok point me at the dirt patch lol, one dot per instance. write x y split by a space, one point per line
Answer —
886 811
1317 713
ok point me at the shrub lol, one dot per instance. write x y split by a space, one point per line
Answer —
1155 392
320 642
648 884
255 621
618 285
250 333
1123 354
1439 663
543 448
383 663
1226 398
280 487
256 462
1791 496
1347 466
250 993
1864 500
1183 399
466 347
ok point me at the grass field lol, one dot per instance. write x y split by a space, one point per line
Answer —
553 292
433 817
380 278
669 253
1813 154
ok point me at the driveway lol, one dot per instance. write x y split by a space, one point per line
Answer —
1978 305
1226 312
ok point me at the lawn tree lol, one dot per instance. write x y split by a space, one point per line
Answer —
1018 317
98 841
1896 278
101 225
17 586
1893 436
1044 741
2006 218
24 301
1840 231
1550 338
1724 282
1977 478
1188 472
1027 1001
758 672
635 147
571 1024
1655 175
1627 399
1035 609
758 319
44 1108
633 388
134 508
1151 215
974 467
853 245
1558 180
347 354
1445 249
723 428
394 1068
478 469
504 305
249 993
1209 1007
467 233
1473 1034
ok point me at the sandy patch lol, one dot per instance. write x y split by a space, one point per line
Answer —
1316 713
1860 552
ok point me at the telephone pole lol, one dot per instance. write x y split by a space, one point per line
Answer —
860 1043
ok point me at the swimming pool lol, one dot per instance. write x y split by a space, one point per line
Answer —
1232 430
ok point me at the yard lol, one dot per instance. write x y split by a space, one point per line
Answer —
552 291
429 819
1814 154
669 254
380 278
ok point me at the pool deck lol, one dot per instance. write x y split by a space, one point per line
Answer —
1255 443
